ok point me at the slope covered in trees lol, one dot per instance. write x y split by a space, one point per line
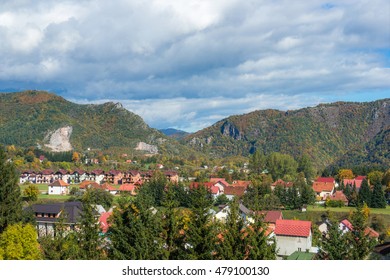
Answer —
325 133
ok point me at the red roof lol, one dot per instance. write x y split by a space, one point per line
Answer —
107 186
47 172
103 221
214 190
293 228
114 172
282 183
339 195
322 186
127 188
368 231
97 172
239 183
360 177
358 183
347 224
271 216
62 172
237 191
325 180
89 184
59 183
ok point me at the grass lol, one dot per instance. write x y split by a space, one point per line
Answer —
347 209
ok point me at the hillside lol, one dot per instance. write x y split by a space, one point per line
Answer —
34 118
325 132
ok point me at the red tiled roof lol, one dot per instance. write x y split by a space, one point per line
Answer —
127 188
339 195
62 172
97 172
214 190
282 183
107 186
237 191
59 183
322 186
219 180
271 216
347 224
79 171
47 172
371 233
239 183
115 172
325 179
358 183
293 228
104 225
360 177
89 184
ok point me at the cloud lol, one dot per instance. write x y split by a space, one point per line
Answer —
179 53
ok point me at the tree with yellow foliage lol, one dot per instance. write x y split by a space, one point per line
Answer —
345 174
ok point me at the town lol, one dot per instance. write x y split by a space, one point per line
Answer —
158 214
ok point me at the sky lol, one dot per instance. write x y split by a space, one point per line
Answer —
188 64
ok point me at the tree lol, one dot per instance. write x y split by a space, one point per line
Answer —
359 241
334 245
281 165
99 196
364 195
345 174
75 157
378 199
19 242
257 162
90 240
155 188
201 234
31 192
231 245
375 177
10 198
305 166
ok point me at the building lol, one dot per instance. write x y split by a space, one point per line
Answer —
58 187
292 236
339 196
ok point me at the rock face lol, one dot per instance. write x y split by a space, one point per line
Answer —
142 146
230 130
59 140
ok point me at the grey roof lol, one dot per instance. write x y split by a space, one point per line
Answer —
243 209
73 210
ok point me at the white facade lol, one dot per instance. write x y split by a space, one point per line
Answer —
58 190
286 245
222 215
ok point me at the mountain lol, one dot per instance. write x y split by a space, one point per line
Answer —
174 133
32 118
325 132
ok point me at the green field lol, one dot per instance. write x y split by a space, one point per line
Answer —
348 209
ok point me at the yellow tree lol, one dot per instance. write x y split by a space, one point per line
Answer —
19 242
345 174
75 157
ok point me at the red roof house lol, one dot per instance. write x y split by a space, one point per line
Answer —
339 195
103 221
293 228
271 217
326 180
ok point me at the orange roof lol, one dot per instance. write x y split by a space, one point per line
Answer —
339 195
103 221
87 184
127 188
237 191
239 183
59 183
271 216
325 180
357 182
321 186
219 180
293 228
282 183
107 186
371 233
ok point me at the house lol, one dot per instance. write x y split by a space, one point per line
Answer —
77 176
109 188
96 175
224 212
48 215
220 183
88 185
113 177
63 175
323 189
131 177
45 176
58 187
339 196
292 236
241 184
128 188
281 183
270 217
231 192
172 176
346 226
355 182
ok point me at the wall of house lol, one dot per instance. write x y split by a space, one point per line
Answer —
58 190
286 245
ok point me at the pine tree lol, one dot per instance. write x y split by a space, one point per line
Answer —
364 195
10 197
378 199
90 240
360 242
335 245
231 245
201 234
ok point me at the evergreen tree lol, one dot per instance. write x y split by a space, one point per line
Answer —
172 231
135 232
201 234
258 245
257 162
231 245
19 242
10 198
334 245
155 187
364 195
305 166
360 242
90 240
378 199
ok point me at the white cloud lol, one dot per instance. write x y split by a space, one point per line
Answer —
178 53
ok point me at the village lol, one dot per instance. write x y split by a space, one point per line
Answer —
292 238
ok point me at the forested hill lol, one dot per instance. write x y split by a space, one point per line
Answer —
33 118
326 133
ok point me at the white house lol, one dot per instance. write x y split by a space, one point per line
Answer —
292 236
58 187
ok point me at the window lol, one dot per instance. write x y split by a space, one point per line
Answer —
299 249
